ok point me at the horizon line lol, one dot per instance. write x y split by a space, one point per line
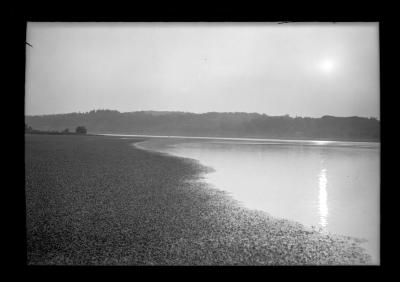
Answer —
197 113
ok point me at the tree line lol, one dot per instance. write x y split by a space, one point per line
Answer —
214 124
78 130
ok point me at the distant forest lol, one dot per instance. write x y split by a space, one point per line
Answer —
213 124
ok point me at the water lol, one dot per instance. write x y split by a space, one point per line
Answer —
334 186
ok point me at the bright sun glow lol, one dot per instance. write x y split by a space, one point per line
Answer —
327 65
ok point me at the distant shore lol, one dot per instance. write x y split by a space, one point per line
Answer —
100 201
215 124
55 133
234 139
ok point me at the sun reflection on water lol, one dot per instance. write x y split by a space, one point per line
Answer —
323 199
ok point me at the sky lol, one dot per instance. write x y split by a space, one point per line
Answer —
300 69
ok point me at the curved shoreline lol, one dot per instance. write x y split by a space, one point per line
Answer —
100 201
232 201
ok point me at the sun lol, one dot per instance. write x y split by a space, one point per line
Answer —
327 65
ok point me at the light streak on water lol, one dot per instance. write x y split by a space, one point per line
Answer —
323 199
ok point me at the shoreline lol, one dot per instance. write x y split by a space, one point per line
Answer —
238 138
207 169
158 205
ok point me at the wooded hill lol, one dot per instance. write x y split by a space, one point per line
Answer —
213 124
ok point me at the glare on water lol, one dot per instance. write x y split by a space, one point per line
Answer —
322 197
328 184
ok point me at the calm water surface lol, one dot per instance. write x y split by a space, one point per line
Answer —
333 186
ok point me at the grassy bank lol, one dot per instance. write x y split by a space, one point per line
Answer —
99 200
